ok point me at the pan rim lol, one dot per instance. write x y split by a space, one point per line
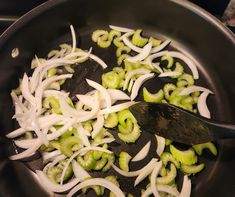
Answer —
51 3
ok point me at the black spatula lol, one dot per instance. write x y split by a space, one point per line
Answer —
178 124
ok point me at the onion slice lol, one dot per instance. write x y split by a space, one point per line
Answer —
145 172
142 153
79 172
45 181
169 74
118 95
98 60
187 60
27 152
98 181
160 47
102 90
153 178
138 83
98 126
192 89
121 29
134 173
73 38
162 188
130 44
116 108
16 133
202 106
49 156
25 143
142 55
161 142
186 188
133 73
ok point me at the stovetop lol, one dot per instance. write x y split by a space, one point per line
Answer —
12 10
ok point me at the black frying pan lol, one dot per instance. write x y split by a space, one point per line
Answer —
191 30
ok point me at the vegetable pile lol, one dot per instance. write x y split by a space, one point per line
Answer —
74 135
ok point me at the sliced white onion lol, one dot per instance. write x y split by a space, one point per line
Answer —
98 60
142 55
102 90
134 173
28 152
186 188
25 90
117 108
162 188
86 100
161 142
126 35
83 151
18 102
73 38
93 113
16 133
25 144
83 135
202 106
160 47
150 58
133 73
79 172
169 74
131 45
98 126
15 52
103 141
98 181
43 86
145 172
138 83
142 153
187 60
45 181
192 89
49 156
121 29
118 94
153 178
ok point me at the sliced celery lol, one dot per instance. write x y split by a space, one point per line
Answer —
66 145
154 41
169 178
110 80
186 157
192 169
169 59
113 34
138 40
54 174
111 159
132 136
124 49
111 121
124 159
153 97
168 157
209 145
168 89
87 162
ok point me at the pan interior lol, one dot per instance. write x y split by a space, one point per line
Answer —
55 28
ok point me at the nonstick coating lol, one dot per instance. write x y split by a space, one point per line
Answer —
191 30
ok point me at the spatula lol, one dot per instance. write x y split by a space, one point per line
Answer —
178 124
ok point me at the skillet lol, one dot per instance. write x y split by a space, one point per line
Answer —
192 31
